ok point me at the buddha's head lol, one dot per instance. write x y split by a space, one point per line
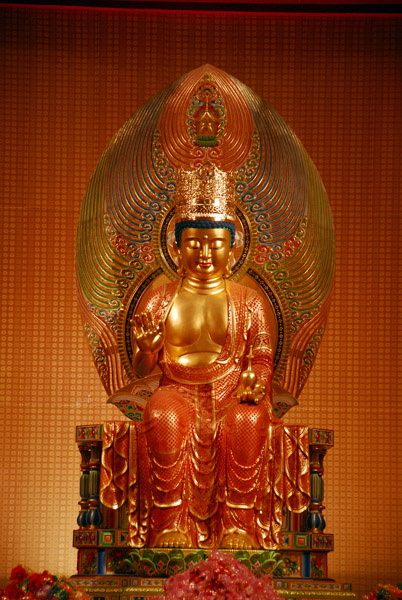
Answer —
205 253
204 222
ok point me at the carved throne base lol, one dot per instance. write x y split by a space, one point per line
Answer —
109 569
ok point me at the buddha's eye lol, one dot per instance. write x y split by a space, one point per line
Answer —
216 244
196 244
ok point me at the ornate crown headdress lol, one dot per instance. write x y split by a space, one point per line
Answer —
205 194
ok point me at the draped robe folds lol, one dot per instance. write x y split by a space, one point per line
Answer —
201 463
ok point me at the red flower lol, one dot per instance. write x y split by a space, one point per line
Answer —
47 577
371 596
13 592
29 596
18 574
90 556
395 591
34 582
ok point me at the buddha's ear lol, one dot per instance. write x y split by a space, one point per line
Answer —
228 270
177 253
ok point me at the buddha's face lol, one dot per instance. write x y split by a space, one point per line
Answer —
205 253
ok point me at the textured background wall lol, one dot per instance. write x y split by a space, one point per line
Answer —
69 79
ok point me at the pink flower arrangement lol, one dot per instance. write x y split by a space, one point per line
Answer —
38 586
221 577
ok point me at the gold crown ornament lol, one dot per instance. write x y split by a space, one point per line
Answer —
205 194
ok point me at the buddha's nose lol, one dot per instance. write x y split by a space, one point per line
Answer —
205 250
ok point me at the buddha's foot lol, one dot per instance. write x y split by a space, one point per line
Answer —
172 539
237 541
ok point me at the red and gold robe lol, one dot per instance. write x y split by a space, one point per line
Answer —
201 463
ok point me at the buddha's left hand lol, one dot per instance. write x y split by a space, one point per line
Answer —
248 391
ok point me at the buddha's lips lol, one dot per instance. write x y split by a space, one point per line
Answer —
204 264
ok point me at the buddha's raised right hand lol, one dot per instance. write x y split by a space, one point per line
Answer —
149 336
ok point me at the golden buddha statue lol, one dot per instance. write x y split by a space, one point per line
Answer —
204 460
210 473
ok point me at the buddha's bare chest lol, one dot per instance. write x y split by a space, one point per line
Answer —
196 327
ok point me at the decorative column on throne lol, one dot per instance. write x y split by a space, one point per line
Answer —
84 485
94 514
320 442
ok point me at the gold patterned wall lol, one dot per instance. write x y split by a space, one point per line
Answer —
69 79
